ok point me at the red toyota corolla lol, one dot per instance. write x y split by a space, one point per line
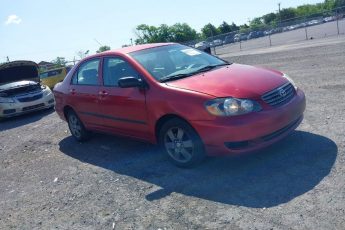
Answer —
191 103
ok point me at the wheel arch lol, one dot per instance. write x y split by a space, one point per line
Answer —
162 120
66 109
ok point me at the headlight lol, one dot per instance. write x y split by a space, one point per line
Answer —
231 106
6 100
290 80
47 91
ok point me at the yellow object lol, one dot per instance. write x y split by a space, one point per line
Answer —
51 77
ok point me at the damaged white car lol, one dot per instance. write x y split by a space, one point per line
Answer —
21 91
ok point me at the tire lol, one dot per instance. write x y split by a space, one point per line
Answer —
76 127
181 143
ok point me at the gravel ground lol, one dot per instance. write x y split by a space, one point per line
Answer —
49 181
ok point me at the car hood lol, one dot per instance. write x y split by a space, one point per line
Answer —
235 80
18 71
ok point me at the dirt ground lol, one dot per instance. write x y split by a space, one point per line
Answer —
49 181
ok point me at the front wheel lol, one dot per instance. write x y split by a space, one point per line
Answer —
76 127
181 142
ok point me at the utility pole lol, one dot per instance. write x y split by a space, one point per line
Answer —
280 16
131 41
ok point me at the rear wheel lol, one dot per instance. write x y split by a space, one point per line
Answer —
181 142
76 127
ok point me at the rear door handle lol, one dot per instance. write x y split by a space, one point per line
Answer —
72 91
103 93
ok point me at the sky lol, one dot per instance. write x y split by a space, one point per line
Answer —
41 30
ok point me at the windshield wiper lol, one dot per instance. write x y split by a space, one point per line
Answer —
209 67
174 77
183 75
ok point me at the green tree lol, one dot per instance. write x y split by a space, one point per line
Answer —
224 28
270 18
256 23
287 13
209 30
182 33
234 27
179 32
59 61
244 28
340 3
103 48
146 34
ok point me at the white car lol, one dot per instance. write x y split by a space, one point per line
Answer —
201 45
21 91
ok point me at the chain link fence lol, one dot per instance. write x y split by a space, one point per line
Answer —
314 26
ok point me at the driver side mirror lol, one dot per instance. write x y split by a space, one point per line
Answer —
130 82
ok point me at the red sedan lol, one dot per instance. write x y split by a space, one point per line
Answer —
191 103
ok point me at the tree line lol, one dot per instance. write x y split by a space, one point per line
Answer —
182 32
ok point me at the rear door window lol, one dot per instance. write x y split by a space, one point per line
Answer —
87 73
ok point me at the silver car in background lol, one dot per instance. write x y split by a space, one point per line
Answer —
21 91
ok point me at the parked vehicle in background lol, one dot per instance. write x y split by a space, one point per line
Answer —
193 104
53 76
229 39
329 19
20 89
314 22
240 37
217 42
202 45
255 34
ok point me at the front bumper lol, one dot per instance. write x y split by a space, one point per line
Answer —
18 108
253 131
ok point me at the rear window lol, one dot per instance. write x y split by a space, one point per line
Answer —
50 73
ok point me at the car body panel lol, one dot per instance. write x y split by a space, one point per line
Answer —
53 76
135 112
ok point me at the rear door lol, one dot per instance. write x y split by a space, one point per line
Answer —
123 109
84 93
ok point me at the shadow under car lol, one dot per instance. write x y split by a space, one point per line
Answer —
267 178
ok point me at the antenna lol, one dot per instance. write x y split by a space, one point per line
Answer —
97 42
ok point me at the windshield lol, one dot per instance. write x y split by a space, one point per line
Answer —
167 62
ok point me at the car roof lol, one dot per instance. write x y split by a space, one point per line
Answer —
127 50
130 49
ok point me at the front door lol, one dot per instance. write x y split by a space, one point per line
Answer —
84 93
123 109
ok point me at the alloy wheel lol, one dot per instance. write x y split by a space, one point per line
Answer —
179 144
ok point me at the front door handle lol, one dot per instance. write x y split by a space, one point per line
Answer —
103 93
72 91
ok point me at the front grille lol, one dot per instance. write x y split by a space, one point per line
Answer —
33 107
280 95
9 111
30 98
